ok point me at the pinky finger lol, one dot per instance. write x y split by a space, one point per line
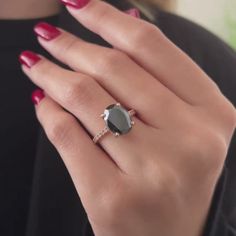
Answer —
87 164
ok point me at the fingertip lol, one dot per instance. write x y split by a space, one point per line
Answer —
75 4
24 68
37 96
133 12
28 58
46 31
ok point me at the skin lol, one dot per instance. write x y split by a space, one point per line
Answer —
158 179
27 9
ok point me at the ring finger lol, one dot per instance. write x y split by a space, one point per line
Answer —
86 99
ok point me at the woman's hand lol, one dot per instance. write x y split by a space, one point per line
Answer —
159 178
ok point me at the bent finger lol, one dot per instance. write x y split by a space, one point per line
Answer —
87 164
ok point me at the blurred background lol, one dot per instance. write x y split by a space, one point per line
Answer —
219 16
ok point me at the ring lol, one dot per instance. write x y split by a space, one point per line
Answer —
117 120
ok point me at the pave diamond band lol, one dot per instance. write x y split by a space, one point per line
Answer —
100 134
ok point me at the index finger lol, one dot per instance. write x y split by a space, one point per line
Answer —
147 45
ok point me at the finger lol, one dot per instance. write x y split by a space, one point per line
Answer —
87 164
82 96
117 73
148 46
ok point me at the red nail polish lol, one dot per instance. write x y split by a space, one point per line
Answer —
133 12
37 95
46 31
29 58
75 3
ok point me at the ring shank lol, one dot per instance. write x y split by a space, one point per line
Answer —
100 134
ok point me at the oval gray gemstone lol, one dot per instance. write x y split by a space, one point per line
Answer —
117 119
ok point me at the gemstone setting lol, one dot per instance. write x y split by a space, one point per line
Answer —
117 119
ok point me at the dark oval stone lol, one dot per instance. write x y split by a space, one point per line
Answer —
117 119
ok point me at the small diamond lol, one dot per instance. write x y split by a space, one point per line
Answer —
117 119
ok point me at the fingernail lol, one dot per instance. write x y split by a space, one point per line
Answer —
75 3
37 96
28 58
46 31
133 12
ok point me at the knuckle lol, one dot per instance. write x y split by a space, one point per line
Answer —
142 34
213 164
109 61
230 114
216 149
206 147
58 131
79 92
65 46
225 112
101 15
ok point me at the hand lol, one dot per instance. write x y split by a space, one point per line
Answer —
159 178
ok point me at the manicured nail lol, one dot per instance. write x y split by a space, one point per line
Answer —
37 95
75 3
29 58
133 12
46 31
